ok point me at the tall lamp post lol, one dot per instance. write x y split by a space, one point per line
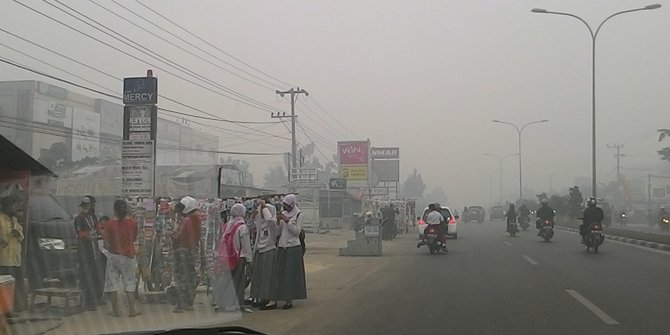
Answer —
519 130
594 35
500 169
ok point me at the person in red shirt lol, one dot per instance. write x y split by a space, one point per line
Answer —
186 242
119 236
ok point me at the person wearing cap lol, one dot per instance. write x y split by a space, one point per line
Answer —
88 255
186 243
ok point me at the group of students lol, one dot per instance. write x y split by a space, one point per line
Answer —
274 266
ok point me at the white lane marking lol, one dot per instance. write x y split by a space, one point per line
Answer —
530 260
508 244
658 251
593 308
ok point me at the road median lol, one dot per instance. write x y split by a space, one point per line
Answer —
642 238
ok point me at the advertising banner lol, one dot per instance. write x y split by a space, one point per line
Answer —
354 172
137 168
352 152
386 170
85 134
385 153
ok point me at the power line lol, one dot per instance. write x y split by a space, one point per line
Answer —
7 61
345 128
315 146
211 45
173 44
67 134
250 104
214 118
148 52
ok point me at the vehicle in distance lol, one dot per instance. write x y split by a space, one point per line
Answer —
497 213
474 213
449 218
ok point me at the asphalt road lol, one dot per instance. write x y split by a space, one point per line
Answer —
489 283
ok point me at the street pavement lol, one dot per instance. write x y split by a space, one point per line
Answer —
488 283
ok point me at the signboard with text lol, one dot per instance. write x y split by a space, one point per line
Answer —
354 172
140 119
140 91
337 184
353 152
137 168
385 153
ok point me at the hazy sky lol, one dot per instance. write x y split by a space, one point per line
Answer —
427 76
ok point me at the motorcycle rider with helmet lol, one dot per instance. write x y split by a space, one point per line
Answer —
592 214
544 213
511 216
435 217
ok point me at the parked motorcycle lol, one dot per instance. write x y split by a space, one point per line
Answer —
664 223
547 230
431 238
594 237
525 222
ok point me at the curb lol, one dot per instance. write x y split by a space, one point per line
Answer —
648 244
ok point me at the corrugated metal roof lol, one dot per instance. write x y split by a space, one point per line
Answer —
13 158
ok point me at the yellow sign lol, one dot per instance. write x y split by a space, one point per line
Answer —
354 172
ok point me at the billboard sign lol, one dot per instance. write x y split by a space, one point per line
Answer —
386 170
385 153
337 184
353 152
137 168
140 91
354 172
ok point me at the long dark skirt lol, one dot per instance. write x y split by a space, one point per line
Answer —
291 274
228 287
264 282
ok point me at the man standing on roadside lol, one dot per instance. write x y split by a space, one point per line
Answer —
11 237
88 255
119 236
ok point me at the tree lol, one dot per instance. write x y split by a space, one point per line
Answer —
437 194
57 156
665 152
559 203
275 177
414 186
575 201
247 178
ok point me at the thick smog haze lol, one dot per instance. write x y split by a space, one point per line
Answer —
426 76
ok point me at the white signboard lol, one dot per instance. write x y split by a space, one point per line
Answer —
379 191
137 168
140 118
304 175
85 134
53 112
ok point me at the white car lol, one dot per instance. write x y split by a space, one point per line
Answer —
449 217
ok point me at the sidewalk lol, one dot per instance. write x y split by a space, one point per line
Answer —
321 253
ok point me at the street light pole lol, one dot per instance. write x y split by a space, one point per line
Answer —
520 131
594 35
500 162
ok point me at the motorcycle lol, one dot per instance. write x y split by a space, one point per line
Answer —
594 237
431 238
665 223
512 228
623 219
525 222
547 230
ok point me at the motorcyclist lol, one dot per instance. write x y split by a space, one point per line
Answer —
435 218
524 212
662 213
592 214
511 216
388 228
544 213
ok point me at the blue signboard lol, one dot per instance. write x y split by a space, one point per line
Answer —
140 91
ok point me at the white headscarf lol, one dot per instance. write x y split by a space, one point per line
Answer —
292 201
236 215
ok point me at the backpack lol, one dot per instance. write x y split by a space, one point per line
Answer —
301 236
229 258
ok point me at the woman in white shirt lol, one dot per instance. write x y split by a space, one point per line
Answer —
263 279
290 263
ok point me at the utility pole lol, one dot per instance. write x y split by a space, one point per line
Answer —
618 156
294 97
